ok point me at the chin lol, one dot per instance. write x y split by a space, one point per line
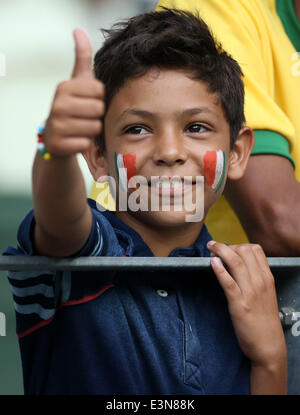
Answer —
171 219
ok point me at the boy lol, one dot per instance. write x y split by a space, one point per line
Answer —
173 109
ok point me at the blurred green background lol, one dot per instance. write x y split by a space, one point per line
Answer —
13 208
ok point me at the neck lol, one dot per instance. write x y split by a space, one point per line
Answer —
297 8
163 241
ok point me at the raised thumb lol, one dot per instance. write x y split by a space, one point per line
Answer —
83 55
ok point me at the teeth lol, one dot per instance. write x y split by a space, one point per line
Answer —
168 185
177 185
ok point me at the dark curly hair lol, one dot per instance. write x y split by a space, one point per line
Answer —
170 39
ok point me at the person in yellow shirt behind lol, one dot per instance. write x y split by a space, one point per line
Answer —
264 37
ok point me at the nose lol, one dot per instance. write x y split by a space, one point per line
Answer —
169 149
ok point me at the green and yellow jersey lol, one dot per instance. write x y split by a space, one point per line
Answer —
264 37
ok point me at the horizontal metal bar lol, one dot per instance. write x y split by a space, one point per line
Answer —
19 263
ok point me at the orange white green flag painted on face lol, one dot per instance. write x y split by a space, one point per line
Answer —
125 168
214 169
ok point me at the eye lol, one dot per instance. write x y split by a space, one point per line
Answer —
136 130
197 128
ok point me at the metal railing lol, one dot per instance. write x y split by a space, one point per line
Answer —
286 272
279 267
18 263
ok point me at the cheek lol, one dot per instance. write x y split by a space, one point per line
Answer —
130 164
125 166
214 163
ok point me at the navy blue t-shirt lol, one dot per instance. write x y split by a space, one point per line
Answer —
128 333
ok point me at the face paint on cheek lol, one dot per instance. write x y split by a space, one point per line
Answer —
122 162
214 169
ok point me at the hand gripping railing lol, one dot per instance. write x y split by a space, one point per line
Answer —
286 272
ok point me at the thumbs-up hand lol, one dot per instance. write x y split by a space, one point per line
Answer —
83 56
77 105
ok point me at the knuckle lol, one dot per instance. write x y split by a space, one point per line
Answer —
57 108
58 127
100 88
237 262
257 248
99 107
61 87
270 280
85 145
246 306
243 248
97 127
238 251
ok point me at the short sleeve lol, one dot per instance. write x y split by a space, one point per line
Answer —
270 142
102 240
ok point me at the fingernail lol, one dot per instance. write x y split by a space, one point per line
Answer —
210 243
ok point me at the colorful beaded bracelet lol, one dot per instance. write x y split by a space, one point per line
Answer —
41 144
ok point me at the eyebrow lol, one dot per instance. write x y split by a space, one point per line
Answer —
149 114
141 113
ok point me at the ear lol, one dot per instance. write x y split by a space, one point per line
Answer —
240 153
96 161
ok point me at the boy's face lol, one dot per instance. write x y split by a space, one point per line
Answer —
170 125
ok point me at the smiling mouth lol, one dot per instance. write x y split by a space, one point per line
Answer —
166 182
170 186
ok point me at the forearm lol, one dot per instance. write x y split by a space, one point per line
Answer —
269 379
273 225
267 201
59 194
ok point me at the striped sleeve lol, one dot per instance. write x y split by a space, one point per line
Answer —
37 295
34 297
93 247
95 243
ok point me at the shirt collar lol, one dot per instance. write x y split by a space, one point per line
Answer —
136 246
